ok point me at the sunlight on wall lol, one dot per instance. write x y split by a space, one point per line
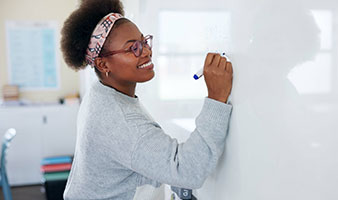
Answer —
182 53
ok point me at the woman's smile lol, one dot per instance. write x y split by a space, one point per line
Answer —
149 66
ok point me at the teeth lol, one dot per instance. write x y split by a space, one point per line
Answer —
145 65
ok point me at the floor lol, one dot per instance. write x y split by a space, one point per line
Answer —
37 192
34 192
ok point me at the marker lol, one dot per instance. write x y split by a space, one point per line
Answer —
199 73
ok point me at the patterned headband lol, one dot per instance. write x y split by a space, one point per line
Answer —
99 36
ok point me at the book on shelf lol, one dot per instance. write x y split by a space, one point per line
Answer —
10 92
56 167
56 176
57 160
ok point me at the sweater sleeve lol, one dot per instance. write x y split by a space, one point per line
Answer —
159 157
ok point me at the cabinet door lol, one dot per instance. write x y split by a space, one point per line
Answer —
24 153
59 130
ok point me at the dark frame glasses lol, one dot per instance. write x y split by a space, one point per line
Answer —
136 48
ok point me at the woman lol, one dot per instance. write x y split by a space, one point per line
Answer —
119 147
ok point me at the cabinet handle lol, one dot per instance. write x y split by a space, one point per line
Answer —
44 119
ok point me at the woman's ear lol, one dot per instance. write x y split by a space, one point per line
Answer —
100 64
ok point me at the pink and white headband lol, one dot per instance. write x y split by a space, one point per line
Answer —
99 36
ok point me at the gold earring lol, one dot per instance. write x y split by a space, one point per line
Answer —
107 73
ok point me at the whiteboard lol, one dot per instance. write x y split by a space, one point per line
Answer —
282 142
32 54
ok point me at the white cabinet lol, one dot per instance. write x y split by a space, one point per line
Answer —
42 131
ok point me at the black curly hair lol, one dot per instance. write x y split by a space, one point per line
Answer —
78 27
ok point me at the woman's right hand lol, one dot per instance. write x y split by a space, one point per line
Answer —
218 77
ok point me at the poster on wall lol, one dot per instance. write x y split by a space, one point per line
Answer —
32 54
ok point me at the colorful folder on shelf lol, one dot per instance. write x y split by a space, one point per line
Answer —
55 172
56 167
56 176
57 160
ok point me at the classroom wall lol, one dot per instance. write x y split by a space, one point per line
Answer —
38 10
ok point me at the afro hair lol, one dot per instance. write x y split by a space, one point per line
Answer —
78 27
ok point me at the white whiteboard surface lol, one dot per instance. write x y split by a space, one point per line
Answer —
32 54
283 138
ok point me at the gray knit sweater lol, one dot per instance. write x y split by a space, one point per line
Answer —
119 147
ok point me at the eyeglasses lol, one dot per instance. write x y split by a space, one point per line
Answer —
136 48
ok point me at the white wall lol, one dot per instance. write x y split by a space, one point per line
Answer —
282 143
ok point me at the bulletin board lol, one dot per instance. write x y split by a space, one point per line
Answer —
32 54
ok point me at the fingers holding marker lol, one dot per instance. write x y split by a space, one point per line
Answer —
218 77
223 63
209 59
229 67
214 62
212 59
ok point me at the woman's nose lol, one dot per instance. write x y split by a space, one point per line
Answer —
146 51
